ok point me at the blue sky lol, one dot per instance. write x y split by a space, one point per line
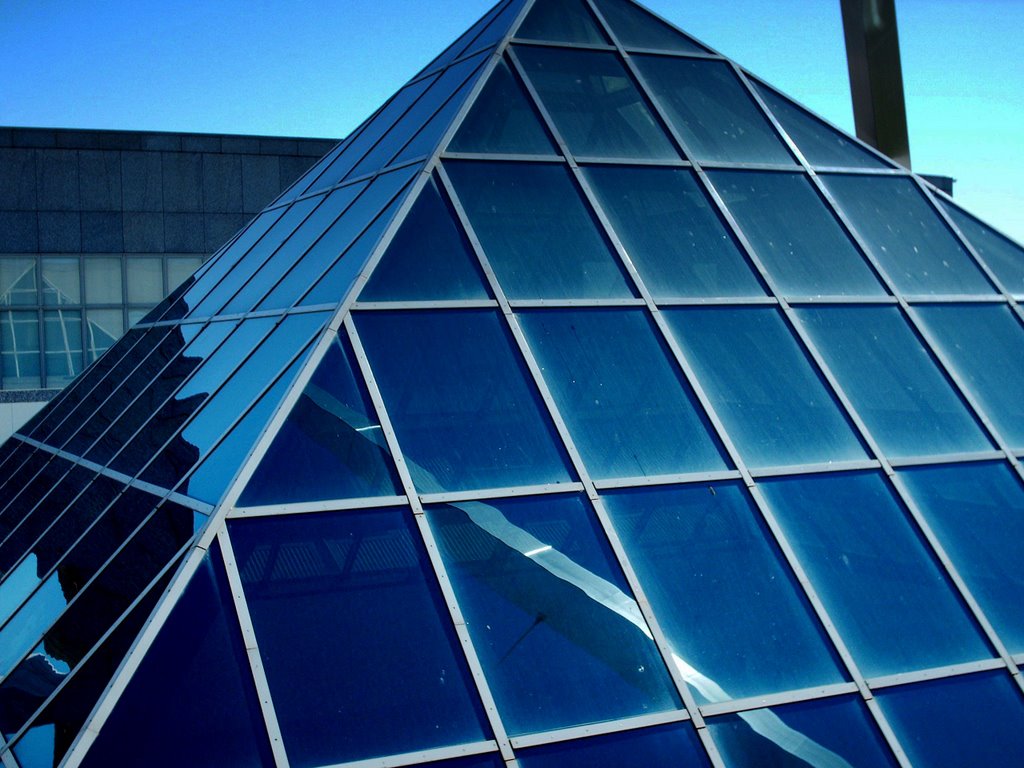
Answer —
316 68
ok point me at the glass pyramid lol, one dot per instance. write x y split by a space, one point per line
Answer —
591 404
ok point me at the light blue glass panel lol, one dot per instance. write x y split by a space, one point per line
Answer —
636 28
906 235
1003 256
712 111
670 746
628 407
62 341
798 240
733 613
874 573
985 344
775 405
536 231
907 403
550 613
975 720
563 21
977 511
672 233
594 103
468 417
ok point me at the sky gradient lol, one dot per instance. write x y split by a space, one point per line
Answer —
317 68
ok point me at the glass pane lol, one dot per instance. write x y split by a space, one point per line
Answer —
670 746
732 611
17 282
25 487
773 402
636 28
19 350
827 732
469 418
103 328
428 258
977 511
145 280
552 618
61 282
536 231
712 111
502 120
985 344
974 720
63 346
331 446
180 268
905 401
191 701
103 281
1003 256
487 30
563 21
797 239
352 596
821 144
672 233
874 573
906 235
628 407
595 104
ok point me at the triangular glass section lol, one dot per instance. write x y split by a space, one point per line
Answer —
562 21
502 120
636 28
1003 256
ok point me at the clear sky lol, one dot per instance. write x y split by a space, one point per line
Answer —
318 67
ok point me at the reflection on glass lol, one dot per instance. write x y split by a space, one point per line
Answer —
563 21
669 745
636 28
1003 256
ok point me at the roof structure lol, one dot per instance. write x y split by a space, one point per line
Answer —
593 403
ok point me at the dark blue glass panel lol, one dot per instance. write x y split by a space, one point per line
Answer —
552 618
907 403
670 746
536 231
827 732
735 616
773 402
906 235
712 111
595 104
191 701
636 28
429 257
985 344
629 408
798 240
977 511
563 21
352 596
478 761
1003 256
502 120
331 446
33 484
975 720
672 233
874 573
469 418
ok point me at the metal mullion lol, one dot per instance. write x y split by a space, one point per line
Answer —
569 303
946 458
771 700
347 182
607 727
6 504
735 165
500 157
700 301
250 315
669 54
941 298
681 478
561 44
884 299
853 465
24 488
315 507
454 497
633 161
424 757
935 673
369 306
430 544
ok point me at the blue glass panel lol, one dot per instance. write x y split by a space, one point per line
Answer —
905 234
975 720
628 407
331 446
735 616
827 732
672 233
1003 256
469 418
595 104
552 618
907 403
773 402
977 511
502 120
798 240
31 486
874 573
670 746
564 21
62 346
490 28
19 350
477 761
985 344
636 28
352 596
191 701
428 258
536 231
712 111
